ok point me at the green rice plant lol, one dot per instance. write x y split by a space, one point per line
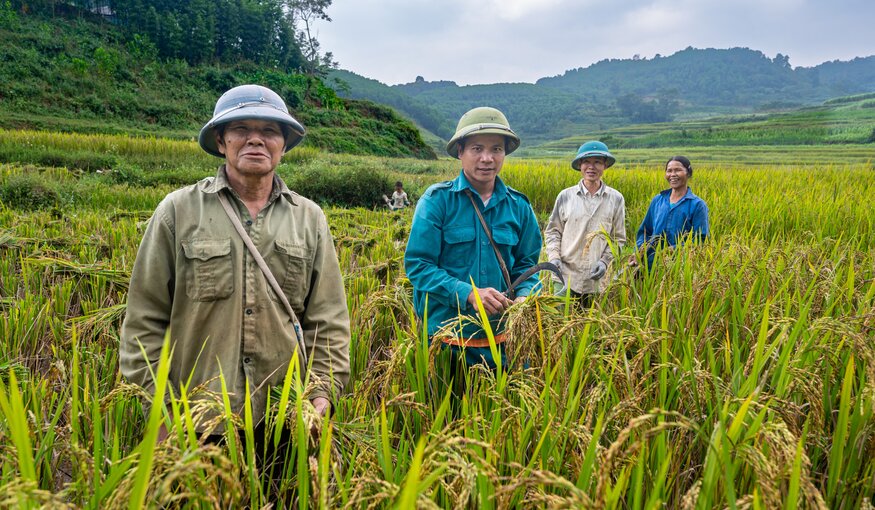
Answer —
735 372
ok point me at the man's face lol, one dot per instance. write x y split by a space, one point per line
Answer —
482 158
251 147
592 168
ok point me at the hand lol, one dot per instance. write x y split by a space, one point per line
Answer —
598 271
493 301
322 405
520 299
633 262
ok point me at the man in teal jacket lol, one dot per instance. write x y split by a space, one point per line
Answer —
448 246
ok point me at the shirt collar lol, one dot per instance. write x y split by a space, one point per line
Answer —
689 194
461 183
599 192
279 187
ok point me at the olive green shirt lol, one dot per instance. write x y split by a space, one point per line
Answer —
194 275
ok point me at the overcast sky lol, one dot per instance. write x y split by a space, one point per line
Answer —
490 41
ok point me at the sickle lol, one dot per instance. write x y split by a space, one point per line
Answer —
543 266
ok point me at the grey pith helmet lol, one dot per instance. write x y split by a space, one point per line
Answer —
250 102
483 121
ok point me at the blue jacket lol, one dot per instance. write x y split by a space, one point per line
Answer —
690 214
448 247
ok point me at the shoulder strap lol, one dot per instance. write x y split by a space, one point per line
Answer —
266 270
501 263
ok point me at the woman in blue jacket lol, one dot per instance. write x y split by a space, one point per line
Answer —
674 213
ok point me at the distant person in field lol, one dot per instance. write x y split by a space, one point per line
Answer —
585 218
195 280
674 214
449 247
399 198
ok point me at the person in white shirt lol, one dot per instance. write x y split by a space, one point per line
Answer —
399 198
586 219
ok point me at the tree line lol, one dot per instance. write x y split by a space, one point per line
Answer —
272 33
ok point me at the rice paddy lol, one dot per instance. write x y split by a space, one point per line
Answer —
738 373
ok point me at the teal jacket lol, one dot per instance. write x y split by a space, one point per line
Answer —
448 248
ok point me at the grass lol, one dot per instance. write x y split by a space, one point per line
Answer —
737 373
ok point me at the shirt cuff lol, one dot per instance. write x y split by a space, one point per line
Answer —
463 290
526 288
322 389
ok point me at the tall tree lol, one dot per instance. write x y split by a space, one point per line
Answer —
303 15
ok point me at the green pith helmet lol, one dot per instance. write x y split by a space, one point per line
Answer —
592 149
483 121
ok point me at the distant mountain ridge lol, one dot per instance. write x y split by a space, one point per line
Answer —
719 77
691 83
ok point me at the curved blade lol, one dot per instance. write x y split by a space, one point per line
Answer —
543 266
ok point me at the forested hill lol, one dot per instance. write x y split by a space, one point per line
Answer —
157 68
737 77
692 83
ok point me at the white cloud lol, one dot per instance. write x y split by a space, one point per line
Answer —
510 10
655 19
523 40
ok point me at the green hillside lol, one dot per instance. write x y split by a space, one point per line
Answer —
533 111
847 120
348 84
709 78
537 114
691 84
80 73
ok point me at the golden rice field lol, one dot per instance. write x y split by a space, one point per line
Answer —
739 373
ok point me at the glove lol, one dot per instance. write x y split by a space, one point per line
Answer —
561 291
598 271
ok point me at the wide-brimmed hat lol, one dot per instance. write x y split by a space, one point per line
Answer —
592 149
248 102
483 120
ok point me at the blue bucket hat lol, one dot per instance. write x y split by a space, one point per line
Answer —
591 149
248 102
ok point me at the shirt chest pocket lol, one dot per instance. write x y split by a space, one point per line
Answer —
506 238
209 273
458 247
292 265
603 220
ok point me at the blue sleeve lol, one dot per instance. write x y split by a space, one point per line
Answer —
646 228
423 252
701 228
527 252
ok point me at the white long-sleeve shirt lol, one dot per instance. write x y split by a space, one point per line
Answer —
577 229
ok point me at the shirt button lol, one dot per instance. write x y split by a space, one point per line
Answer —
247 360
249 311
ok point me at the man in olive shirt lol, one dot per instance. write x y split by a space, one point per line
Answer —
195 277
